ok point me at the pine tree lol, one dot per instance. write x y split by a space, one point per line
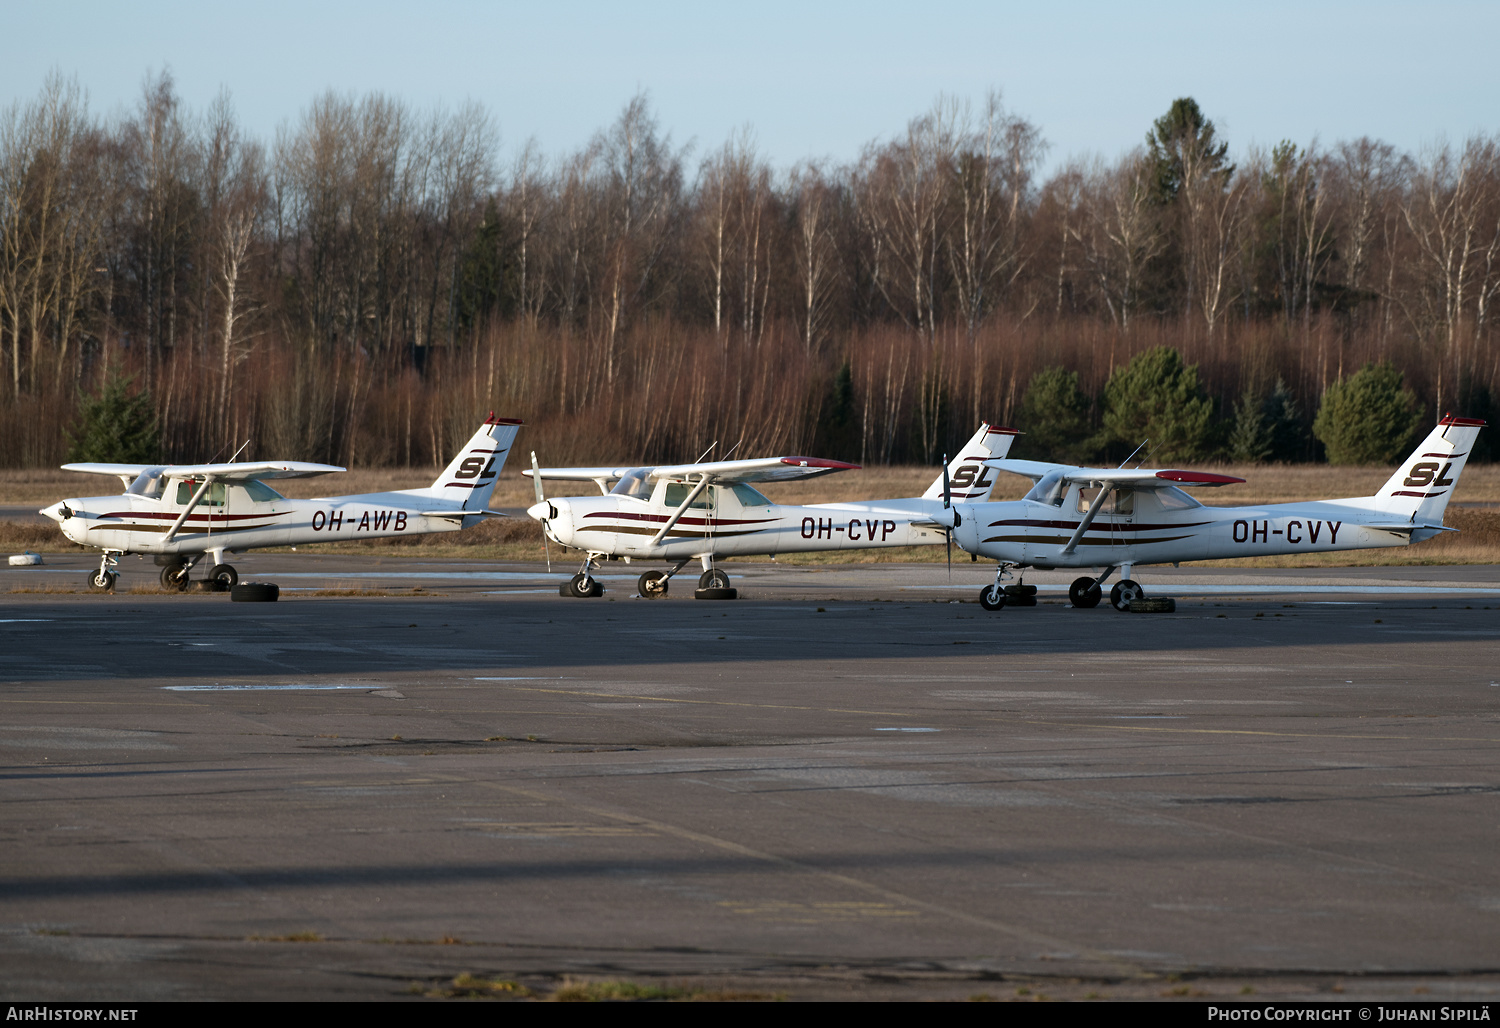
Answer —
1368 418
115 427
1156 398
1054 419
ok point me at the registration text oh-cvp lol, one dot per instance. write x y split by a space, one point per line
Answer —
857 529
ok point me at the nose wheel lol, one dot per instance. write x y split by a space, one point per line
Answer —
584 585
104 579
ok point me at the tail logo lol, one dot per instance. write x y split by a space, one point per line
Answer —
963 478
475 467
1421 475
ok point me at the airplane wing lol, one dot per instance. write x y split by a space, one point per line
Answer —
247 470
1136 478
125 471
582 474
762 469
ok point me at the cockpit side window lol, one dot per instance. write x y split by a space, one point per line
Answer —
187 487
749 497
260 492
1173 498
148 483
678 491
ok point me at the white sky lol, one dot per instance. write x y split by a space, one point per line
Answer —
812 79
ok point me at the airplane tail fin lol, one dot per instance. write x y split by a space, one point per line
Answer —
1421 488
470 478
970 480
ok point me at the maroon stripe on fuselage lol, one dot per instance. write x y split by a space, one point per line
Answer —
151 515
1097 526
661 518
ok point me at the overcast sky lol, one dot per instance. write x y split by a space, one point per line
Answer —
813 80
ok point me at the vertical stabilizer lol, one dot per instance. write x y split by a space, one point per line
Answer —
1420 490
470 479
970 480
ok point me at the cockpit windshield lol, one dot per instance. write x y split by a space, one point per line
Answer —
635 483
1048 490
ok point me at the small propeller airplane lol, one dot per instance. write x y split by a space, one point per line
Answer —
1117 518
684 512
182 511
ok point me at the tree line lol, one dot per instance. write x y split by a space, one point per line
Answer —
366 284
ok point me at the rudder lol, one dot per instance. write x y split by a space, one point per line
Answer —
470 478
969 480
1421 488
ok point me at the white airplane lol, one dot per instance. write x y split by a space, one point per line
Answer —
685 512
184 511
1116 518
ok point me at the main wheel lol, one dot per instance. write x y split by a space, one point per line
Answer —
1085 593
583 586
714 579
224 577
1123 592
175 576
652 584
992 597
103 581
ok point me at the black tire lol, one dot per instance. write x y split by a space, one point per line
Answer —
224 577
1155 605
714 579
716 593
653 584
175 576
1085 593
1020 590
582 587
1123 593
991 598
255 592
103 581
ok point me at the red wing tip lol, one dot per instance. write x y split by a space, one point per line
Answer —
492 420
1463 422
819 462
1198 477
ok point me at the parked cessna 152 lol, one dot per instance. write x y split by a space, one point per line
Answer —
187 510
686 512
1115 518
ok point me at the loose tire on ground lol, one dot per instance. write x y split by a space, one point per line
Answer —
991 598
653 584
716 593
255 592
1154 605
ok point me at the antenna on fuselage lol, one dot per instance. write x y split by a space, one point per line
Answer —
239 451
706 452
1135 451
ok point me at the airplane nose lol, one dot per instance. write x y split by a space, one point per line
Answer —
543 511
58 512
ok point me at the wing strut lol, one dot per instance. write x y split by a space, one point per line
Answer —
680 511
1088 519
192 504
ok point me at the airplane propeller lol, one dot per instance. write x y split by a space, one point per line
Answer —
536 480
947 505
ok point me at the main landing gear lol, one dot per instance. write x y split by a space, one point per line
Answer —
713 584
1087 592
176 573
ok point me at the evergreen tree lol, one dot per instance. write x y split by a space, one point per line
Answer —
115 427
1156 398
1266 428
1368 418
838 427
1054 418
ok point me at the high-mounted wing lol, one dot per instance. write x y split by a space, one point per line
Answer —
762 469
1136 478
222 472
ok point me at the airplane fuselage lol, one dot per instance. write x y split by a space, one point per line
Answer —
724 527
1031 534
139 524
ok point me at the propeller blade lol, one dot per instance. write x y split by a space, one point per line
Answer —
536 480
947 504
